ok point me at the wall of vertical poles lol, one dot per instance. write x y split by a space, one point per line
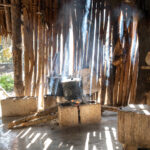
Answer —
63 37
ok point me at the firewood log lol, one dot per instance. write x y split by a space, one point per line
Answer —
36 121
109 108
31 117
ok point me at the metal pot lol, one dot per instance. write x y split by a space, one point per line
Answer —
72 88
55 86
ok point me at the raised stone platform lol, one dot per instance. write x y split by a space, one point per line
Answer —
79 114
134 126
18 106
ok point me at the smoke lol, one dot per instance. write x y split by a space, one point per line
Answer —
85 21
81 44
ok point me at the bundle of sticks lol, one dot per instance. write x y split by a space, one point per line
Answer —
34 119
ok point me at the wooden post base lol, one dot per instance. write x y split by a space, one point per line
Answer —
129 147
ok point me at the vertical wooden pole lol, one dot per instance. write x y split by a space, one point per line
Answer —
7 16
35 46
17 47
28 45
40 35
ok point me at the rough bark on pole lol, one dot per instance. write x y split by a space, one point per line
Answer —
40 35
17 47
35 21
121 84
28 44
115 89
8 16
134 80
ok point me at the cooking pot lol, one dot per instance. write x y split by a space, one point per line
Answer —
72 88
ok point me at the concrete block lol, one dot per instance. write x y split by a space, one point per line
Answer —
18 106
68 116
90 113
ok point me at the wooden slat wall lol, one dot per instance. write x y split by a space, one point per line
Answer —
46 27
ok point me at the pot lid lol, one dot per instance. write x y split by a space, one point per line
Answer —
71 80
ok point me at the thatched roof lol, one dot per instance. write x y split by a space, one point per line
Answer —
51 10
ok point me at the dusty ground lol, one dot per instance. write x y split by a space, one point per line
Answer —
93 137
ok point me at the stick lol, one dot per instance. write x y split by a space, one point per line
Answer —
36 121
109 108
121 85
8 17
35 48
115 90
28 118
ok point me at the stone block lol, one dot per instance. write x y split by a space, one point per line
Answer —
68 116
18 106
90 113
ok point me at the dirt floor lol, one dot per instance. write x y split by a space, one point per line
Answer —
93 137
